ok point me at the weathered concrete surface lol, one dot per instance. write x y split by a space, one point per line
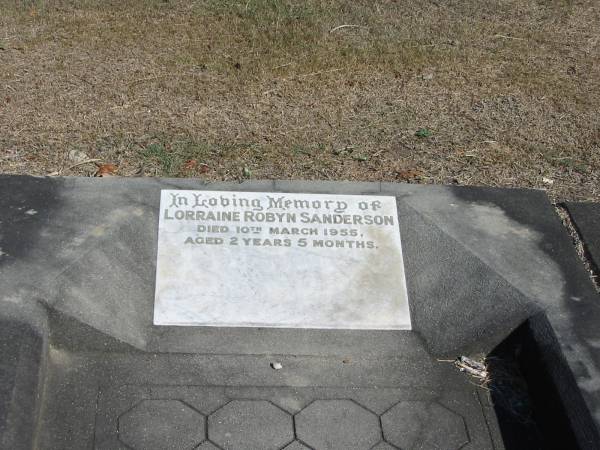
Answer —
479 262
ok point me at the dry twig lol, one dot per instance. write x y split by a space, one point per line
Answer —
339 27
83 162
502 36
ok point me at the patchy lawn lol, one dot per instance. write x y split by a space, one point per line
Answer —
494 92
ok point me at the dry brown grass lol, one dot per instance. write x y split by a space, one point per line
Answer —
510 90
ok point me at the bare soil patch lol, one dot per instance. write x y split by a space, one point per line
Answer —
496 92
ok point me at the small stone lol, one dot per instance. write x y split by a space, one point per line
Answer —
77 156
276 365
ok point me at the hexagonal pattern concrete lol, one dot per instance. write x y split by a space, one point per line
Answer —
160 425
337 424
383 446
206 445
296 446
424 426
249 425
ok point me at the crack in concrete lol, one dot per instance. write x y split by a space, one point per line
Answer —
579 244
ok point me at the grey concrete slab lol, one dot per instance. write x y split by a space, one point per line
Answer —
161 424
263 417
339 424
418 424
250 424
78 264
328 187
296 446
586 217
21 369
517 235
207 445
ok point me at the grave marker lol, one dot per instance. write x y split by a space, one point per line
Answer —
279 260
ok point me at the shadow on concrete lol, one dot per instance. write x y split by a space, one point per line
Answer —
555 415
530 407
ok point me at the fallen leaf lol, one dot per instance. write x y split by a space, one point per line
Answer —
105 170
190 164
409 174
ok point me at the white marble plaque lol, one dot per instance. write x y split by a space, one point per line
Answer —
256 259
